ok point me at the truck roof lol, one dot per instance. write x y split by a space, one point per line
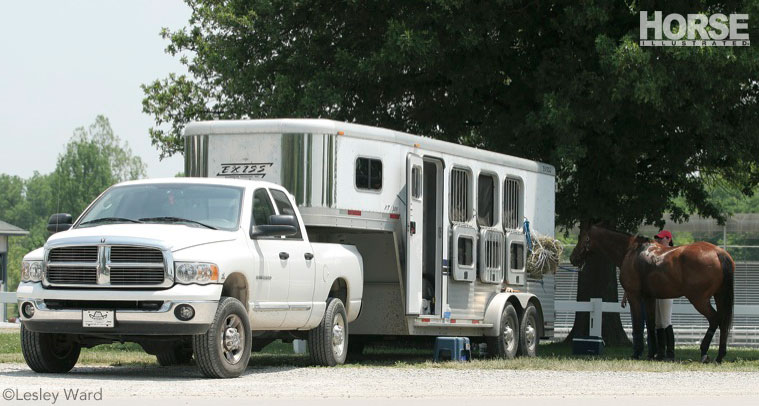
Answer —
301 125
205 181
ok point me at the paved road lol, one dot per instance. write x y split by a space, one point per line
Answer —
378 385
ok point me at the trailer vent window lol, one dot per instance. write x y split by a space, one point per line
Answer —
464 256
516 256
461 207
466 248
492 251
368 174
416 182
486 200
512 204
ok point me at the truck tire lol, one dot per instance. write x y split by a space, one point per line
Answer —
506 343
224 350
178 355
47 352
529 332
328 342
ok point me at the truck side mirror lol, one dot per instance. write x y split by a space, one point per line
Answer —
282 225
59 222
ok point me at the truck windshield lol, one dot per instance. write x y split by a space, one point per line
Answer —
194 205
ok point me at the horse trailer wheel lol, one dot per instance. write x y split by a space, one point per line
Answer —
506 344
529 332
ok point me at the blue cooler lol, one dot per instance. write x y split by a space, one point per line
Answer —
453 349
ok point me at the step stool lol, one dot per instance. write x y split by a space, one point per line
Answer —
453 348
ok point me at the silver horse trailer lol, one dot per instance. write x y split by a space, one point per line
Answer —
441 226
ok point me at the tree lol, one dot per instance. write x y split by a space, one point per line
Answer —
565 82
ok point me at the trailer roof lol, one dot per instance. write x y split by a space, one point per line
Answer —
324 126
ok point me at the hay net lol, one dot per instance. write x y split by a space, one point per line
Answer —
544 257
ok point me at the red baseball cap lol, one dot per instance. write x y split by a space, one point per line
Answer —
664 233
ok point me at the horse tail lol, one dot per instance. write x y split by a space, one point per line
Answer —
727 290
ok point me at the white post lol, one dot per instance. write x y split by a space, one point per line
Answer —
596 315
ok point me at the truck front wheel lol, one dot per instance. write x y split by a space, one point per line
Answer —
224 350
48 352
328 342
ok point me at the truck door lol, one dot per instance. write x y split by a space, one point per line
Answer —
414 233
269 286
301 266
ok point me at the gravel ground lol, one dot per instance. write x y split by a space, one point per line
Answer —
185 385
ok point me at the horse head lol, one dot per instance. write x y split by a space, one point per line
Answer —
584 246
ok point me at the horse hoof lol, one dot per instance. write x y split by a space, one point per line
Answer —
718 360
705 359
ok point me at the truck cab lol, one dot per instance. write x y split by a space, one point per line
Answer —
187 266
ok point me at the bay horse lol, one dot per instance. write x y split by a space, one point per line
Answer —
649 271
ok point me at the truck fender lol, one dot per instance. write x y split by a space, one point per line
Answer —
495 308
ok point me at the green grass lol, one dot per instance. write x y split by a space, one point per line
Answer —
552 356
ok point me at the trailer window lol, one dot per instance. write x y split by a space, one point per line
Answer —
416 182
512 204
461 208
516 256
262 208
466 251
486 200
368 174
492 251
285 208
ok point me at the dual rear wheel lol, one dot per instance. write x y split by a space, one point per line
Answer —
515 336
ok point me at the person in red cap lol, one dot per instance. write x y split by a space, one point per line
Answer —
665 334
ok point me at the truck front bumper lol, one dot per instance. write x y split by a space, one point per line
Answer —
66 317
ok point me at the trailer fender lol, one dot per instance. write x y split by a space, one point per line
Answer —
495 308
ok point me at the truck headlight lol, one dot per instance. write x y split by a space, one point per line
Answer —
196 272
31 271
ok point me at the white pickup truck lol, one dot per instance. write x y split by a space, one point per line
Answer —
211 267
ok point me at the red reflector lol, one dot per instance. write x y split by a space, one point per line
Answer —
425 320
453 321
354 212
395 216
475 322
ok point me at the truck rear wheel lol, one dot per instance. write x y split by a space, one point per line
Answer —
506 343
48 352
529 336
224 350
328 342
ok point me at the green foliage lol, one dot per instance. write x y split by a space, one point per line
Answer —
93 160
627 127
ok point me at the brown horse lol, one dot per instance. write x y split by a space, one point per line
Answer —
649 271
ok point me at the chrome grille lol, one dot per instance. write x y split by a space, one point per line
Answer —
141 255
70 275
74 254
136 276
108 266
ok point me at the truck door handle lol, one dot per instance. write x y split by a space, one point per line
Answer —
309 256
284 255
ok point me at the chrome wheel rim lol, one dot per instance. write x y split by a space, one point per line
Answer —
509 338
232 339
530 334
338 335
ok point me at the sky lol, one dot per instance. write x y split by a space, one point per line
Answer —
64 62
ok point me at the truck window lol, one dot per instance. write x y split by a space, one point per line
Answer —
368 174
284 207
262 208
486 200
461 208
512 203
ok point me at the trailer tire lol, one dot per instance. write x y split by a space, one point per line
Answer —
49 352
328 342
506 343
224 350
529 336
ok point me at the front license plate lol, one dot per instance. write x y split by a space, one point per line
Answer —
97 318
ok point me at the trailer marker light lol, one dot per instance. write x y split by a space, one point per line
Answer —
475 322
354 212
417 145
341 133
453 321
395 216
425 320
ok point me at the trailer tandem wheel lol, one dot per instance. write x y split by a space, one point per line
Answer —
506 343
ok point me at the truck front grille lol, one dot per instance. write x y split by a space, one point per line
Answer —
107 266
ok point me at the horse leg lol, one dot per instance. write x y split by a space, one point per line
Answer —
637 325
724 330
650 307
705 307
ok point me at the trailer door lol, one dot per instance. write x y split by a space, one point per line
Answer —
414 233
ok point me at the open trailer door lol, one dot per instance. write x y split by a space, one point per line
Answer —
414 233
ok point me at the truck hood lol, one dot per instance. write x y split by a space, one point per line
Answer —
171 236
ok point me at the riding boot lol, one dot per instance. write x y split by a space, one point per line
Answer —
651 341
670 337
660 344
